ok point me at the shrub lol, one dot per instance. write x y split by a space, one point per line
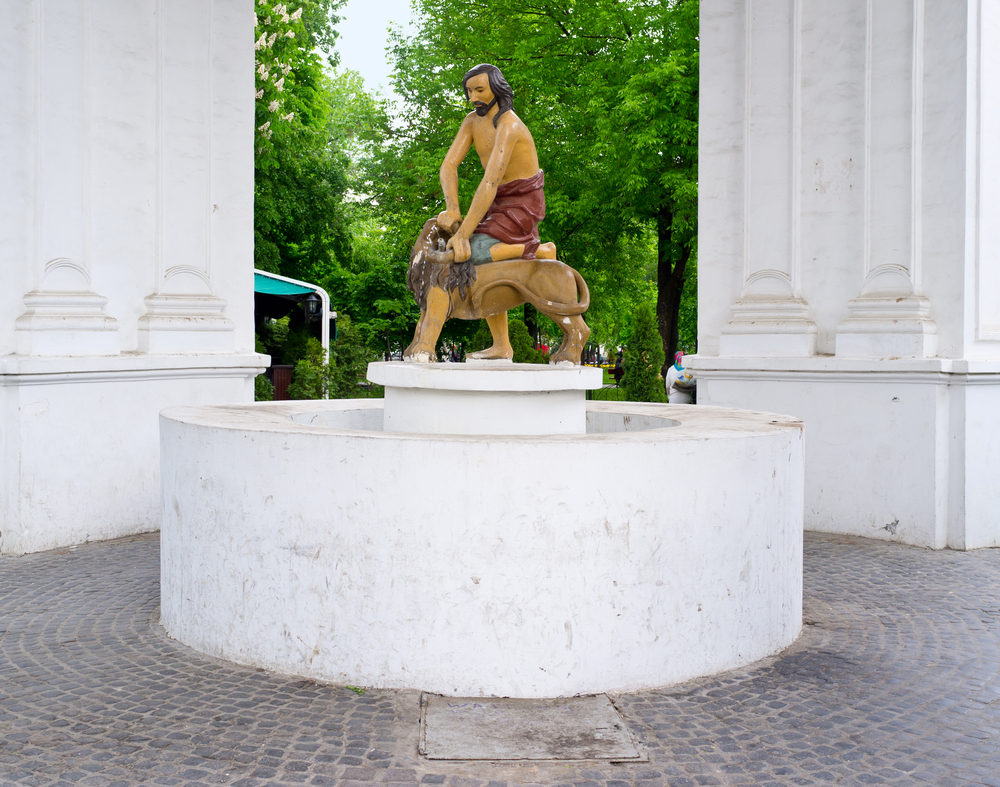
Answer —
316 377
643 359
349 362
263 391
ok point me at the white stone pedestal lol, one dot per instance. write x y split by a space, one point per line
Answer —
485 398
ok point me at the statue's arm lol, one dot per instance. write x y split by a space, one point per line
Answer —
487 191
451 217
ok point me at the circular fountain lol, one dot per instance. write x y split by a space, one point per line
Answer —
450 538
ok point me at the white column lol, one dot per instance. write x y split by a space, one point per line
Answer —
62 315
891 317
126 225
184 313
983 150
897 120
771 318
17 173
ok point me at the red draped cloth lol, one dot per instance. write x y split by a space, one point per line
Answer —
514 215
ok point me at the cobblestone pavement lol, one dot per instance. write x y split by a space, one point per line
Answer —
894 681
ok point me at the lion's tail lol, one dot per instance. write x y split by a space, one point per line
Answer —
544 306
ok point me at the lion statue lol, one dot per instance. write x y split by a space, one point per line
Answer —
444 289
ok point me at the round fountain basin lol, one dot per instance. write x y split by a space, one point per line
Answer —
662 544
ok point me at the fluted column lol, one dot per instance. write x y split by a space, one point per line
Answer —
891 317
184 312
771 318
62 315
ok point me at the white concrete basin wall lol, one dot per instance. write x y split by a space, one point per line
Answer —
635 556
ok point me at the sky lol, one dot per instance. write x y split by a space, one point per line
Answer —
363 38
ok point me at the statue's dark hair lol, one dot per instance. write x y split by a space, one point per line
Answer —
501 90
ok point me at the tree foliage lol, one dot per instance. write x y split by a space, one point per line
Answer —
609 91
318 377
301 164
520 341
643 359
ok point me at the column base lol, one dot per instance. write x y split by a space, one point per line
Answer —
185 324
80 443
898 450
887 326
66 323
769 328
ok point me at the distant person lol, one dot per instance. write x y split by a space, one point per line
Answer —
681 384
618 372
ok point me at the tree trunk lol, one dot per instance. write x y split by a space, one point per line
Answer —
669 287
531 322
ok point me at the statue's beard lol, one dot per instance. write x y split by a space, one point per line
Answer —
482 107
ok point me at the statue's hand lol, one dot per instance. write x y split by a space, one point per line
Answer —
449 221
461 248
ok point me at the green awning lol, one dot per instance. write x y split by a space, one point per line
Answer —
268 286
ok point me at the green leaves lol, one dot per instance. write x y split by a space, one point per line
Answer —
608 89
643 359
336 377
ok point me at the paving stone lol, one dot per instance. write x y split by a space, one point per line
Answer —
895 680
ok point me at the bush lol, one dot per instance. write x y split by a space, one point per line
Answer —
350 357
263 391
310 379
315 377
643 359
271 339
523 344
301 345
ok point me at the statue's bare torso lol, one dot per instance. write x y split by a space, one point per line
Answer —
523 161
507 152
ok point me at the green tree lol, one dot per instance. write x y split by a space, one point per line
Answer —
317 376
263 390
609 90
520 341
643 359
313 124
311 376
649 146
301 173
349 357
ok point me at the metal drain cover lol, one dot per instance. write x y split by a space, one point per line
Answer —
485 728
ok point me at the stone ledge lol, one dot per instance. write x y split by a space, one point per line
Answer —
485 376
828 364
25 369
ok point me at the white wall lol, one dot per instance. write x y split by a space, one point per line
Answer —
876 246
128 137
126 242
300 537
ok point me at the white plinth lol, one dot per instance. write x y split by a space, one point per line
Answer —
80 443
485 398
882 436
663 544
